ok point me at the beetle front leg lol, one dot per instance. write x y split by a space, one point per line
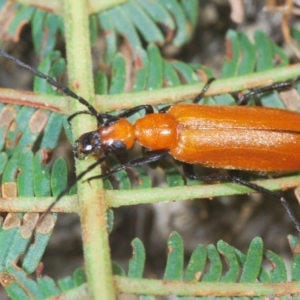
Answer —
127 113
150 157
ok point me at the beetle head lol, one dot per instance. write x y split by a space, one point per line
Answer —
88 143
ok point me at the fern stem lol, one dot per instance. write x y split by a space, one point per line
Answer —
57 104
165 288
114 198
55 6
170 95
161 287
95 6
143 196
92 206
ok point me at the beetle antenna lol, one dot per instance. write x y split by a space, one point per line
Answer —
61 194
54 83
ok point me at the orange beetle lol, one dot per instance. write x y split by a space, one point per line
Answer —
226 137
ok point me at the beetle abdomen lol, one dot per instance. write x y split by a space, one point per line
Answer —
256 150
224 138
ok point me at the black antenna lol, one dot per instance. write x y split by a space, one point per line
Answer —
56 84
61 194
91 111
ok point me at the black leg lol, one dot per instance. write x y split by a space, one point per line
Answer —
100 117
244 99
188 170
164 109
276 195
232 176
127 113
86 112
204 90
197 98
150 157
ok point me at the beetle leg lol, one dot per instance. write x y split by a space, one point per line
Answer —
127 113
231 175
197 98
204 90
244 99
79 113
188 170
276 195
164 109
100 117
152 156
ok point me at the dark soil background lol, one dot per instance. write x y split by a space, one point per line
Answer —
236 220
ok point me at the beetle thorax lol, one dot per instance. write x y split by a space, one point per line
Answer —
157 131
117 136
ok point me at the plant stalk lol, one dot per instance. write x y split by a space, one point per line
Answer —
117 198
92 205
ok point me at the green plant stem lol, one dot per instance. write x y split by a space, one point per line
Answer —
171 95
121 198
116 198
92 205
55 6
105 103
163 288
96 6
59 104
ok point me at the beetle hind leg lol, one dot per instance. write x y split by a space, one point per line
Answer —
188 170
276 195
244 99
232 176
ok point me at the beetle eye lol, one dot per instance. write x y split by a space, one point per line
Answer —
88 147
88 143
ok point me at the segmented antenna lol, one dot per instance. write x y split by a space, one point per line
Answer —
61 194
54 83
91 110
73 182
